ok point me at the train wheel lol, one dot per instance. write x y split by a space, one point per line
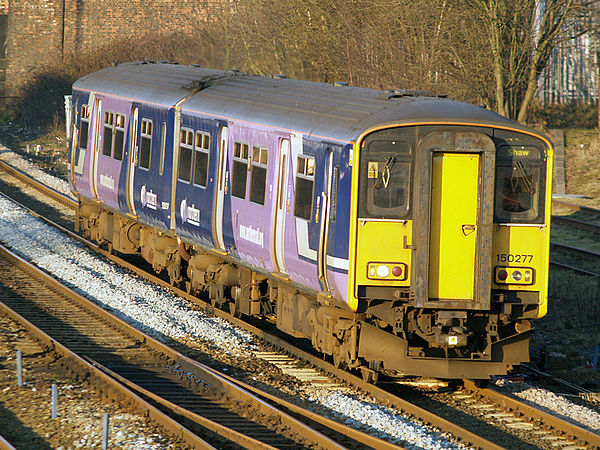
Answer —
369 375
339 358
234 310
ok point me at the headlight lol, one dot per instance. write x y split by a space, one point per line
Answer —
383 271
514 275
387 271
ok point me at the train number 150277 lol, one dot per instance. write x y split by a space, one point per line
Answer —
510 258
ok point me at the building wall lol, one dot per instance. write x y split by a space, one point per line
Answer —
40 31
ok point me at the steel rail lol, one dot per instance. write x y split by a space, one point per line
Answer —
41 187
575 250
574 269
106 384
572 430
5 445
575 207
188 365
359 436
574 223
465 436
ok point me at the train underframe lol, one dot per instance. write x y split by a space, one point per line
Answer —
385 336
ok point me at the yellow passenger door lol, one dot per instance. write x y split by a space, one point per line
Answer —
453 231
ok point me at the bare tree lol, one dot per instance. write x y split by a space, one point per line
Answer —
490 52
521 35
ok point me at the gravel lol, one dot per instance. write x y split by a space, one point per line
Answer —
161 314
550 402
25 166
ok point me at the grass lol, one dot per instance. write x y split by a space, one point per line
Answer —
582 165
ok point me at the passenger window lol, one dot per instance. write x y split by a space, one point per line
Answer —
201 159
84 128
163 144
146 143
109 119
258 175
240 170
305 180
119 137
186 143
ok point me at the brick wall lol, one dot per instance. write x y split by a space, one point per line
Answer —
39 31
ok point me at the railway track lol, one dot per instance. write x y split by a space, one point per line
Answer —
59 197
383 395
208 403
556 431
586 262
582 256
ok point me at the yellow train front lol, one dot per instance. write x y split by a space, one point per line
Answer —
451 246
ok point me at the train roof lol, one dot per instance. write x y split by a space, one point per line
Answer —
321 110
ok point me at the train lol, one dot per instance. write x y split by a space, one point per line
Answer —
400 232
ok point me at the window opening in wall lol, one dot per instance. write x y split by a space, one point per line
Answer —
305 180
186 143
240 170
258 175
119 137
145 143
201 159
163 144
107 141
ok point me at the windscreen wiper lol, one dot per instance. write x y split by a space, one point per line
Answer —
384 178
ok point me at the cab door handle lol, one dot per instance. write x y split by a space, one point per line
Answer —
468 229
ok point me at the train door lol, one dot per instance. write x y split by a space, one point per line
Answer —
220 191
454 224
454 187
324 231
133 151
75 125
96 145
280 205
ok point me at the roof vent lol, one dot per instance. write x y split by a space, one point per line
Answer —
340 83
400 93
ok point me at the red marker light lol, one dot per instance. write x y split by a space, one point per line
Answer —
502 275
397 271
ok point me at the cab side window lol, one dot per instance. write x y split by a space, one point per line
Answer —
84 128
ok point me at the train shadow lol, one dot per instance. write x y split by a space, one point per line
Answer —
17 433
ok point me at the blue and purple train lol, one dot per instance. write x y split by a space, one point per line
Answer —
399 231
